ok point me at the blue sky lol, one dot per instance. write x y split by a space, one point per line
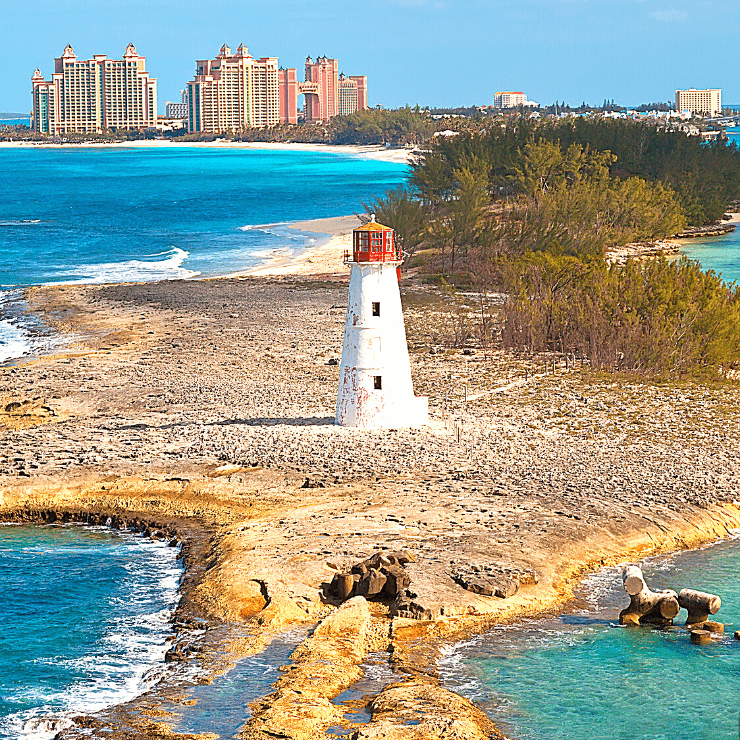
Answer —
432 52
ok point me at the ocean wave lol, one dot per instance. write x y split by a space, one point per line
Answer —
125 660
132 271
14 341
262 227
21 222
284 231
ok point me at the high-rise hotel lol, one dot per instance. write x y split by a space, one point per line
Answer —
326 92
706 103
91 95
233 92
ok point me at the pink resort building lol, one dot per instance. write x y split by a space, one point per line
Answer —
91 95
234 92
326 92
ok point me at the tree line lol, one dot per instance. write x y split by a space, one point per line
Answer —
529 209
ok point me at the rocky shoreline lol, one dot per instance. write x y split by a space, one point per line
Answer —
699 232
208 404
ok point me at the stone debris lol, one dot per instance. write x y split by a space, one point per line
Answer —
379 577
493 579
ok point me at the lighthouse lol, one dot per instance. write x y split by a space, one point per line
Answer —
375 388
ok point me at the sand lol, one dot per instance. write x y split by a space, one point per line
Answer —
334 236
401 156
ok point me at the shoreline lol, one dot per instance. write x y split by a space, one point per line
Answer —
416 646
378 152
238 439
334 235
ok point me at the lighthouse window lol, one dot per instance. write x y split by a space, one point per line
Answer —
376 308
378 382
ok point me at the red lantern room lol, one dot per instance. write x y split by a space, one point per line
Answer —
373 242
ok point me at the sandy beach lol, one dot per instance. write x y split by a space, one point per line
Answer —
326 259
205 408
401 156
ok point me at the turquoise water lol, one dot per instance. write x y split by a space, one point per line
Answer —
579 676
97 215
92 215
83 622
720 253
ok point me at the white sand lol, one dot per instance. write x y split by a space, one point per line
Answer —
325 259
401 156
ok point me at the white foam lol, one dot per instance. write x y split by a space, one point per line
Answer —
21 222
14 341
132 271
262 227
134 648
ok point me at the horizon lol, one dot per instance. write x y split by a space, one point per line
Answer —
570 50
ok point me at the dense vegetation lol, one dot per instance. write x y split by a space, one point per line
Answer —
655 317
705 177
405 126
529 209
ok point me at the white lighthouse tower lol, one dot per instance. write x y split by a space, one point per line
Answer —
375 389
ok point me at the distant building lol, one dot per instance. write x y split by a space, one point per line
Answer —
170 124
233 92
706 103
321 90
352 94
89 96
511 100
326 92
177 110
288 93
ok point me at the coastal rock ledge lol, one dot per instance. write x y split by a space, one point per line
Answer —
197 410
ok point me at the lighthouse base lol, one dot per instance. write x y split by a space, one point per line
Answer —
376 410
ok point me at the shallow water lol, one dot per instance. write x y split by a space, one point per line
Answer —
719 253
579 676
84 621
222 706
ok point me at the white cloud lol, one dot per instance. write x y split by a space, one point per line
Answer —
669 16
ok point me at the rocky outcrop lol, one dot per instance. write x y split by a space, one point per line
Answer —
422 710
641 250
323 666
694 232
492 579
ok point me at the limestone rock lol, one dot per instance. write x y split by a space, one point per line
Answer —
419 710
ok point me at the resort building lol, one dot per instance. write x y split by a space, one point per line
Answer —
177 110
89 96
321 90
233 92
509 99
288 93
352 94
706 103
326 92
